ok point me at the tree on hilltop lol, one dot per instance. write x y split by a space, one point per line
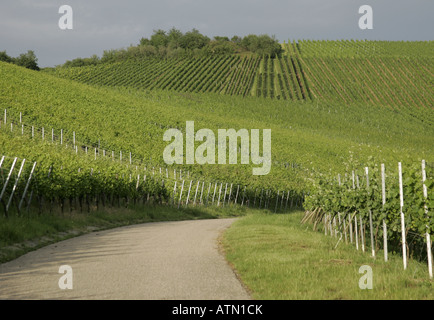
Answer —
27 60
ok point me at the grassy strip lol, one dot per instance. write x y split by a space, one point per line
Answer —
19 235
278 258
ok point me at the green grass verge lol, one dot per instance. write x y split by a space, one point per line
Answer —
278 258
19 235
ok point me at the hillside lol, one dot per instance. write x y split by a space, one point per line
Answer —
323 118
393 74
306 133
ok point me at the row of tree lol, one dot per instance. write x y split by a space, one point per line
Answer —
192 40
27 60
176 44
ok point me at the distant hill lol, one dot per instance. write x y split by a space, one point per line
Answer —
393 74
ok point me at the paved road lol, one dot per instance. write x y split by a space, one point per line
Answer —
154 261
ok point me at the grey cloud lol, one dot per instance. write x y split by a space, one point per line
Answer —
108 24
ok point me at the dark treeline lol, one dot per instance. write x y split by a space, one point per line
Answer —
176 44
27 60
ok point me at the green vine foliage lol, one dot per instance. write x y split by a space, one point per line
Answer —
348 199
61 174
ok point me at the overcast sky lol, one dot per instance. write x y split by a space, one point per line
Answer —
99 25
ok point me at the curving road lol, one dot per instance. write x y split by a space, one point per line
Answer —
153 261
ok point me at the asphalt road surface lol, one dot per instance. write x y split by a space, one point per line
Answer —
153 261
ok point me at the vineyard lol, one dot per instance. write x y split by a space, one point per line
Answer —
279 78
84 138
394 207
364 49
225 74
65 173
345 71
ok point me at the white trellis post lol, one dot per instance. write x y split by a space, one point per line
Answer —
138 181
335 227
286 202
180 195
401 198
350 220
230 194
244 193
362 233
428 237
27 186
236 195
174 193
189 189
330 220
15 184
340 226
220 191
224 197
383 192
207 195
370 216
339 217
7 179
213 196
356 230
195 194
201 192
325 224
